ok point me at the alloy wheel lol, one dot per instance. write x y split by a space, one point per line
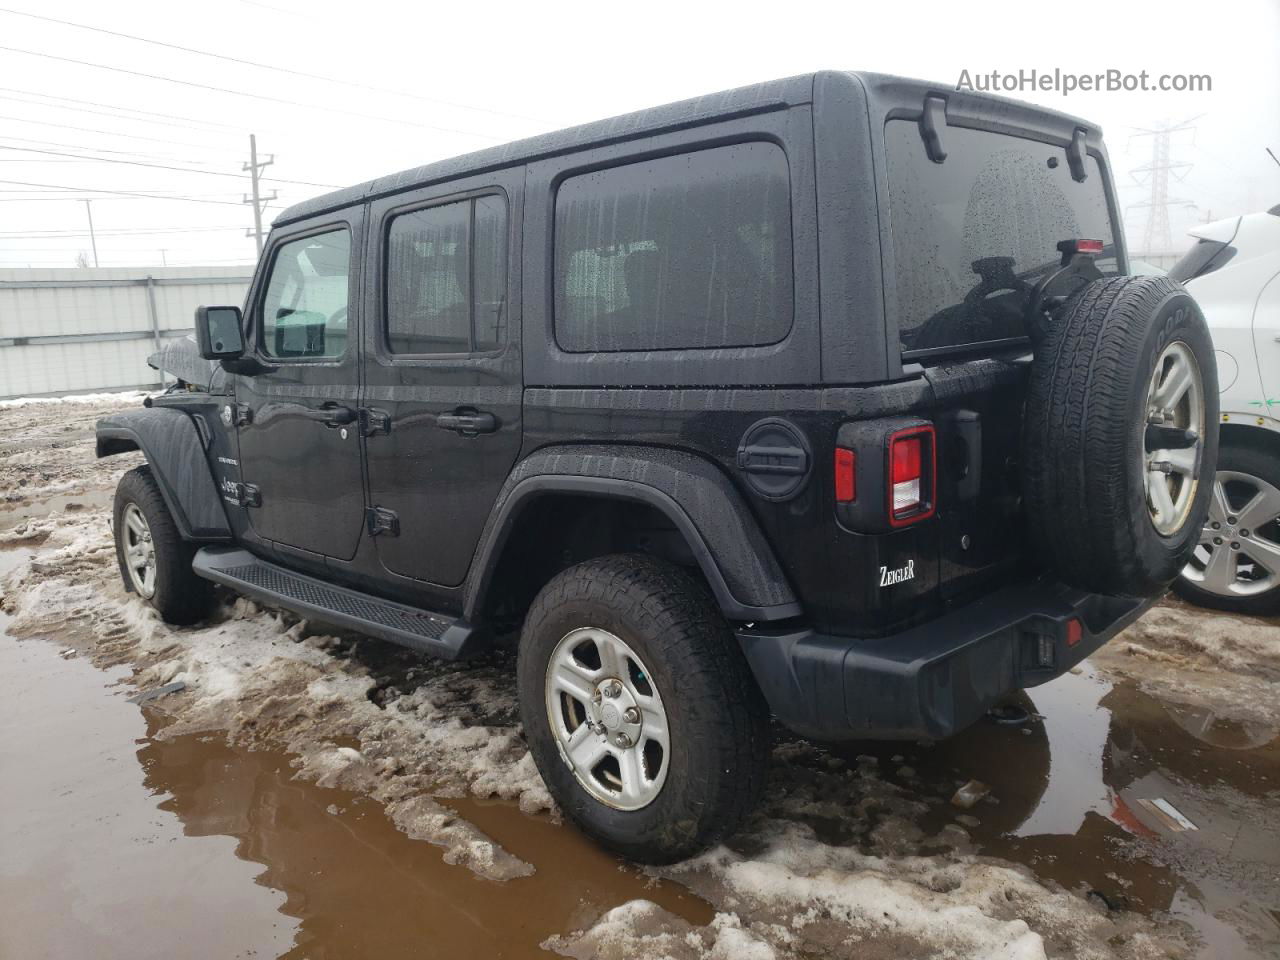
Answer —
139 551
1239 550
1173 438
608 719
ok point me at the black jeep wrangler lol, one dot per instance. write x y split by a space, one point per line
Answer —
828 398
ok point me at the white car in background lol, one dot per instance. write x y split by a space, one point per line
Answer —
1233 271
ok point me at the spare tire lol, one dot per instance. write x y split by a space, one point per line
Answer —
1121 424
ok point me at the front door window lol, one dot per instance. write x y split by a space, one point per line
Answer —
304 311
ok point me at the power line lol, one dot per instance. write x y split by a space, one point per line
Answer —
268 66
118 232
163 166
245 93
116 193
111 106
80 146
113 133
27 101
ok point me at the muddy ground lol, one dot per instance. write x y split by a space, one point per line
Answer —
310 793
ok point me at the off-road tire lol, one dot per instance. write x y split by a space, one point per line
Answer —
181 597
1237 458
1083 474
718 719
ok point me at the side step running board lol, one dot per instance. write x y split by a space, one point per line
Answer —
437 634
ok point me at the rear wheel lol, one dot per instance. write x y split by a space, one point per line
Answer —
1236 564
639 708
155 562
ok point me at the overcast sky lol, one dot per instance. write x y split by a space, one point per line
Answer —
455 77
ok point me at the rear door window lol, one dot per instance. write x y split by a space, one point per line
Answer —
973 235
679 252
446 278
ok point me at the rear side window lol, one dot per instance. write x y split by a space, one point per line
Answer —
973 235
446 278
304 308
680 252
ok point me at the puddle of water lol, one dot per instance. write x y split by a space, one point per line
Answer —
62 503
1066 792
90 867
164 843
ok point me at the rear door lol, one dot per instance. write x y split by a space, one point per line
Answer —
443 388
298 434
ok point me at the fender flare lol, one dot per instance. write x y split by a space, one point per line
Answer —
175 450
693 493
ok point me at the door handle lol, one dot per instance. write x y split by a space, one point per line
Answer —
469 423
333 415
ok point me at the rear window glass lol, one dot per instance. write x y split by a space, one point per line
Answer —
972 235
688 251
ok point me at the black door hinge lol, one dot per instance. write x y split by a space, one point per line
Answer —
381 520
375 421
244 414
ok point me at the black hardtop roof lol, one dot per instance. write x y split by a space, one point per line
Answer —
882 90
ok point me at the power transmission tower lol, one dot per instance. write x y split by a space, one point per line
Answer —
1158 238
254 168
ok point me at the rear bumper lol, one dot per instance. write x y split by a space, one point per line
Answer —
935 679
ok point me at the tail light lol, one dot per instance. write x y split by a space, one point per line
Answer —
912 475
846 483
884 474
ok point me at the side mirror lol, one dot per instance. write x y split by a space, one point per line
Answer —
219 333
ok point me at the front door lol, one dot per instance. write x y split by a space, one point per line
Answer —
299 426
443 379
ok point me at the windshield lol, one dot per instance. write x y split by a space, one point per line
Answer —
973 235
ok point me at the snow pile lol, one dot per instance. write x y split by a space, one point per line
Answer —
890 889
48 449
641 928
125 398
1177 652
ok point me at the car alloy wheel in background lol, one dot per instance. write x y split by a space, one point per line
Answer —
1239 550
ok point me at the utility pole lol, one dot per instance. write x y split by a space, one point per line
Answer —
1157 238
254 168
92 239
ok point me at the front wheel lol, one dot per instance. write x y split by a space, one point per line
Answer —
1236 565
155 562
639 708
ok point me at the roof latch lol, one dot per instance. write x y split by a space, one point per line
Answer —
932 119
1076 156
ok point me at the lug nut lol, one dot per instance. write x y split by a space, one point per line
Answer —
613 689
1218 541
1243 532
1234 545
621 740
1231 520
1216 525
631 715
